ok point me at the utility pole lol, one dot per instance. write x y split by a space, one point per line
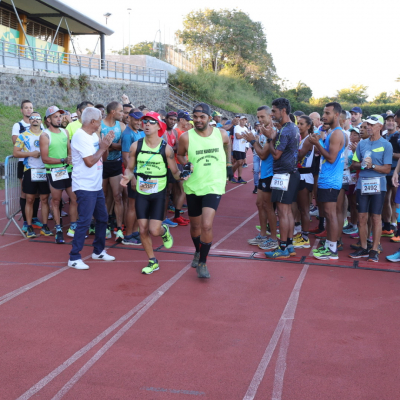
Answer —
129 31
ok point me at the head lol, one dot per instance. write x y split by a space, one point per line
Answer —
102 109
223 120
374 125
84 105
171 119
355 135
91 119
216 116
316 119
264 115
150 126
298 114
134 120
126 108
35 119
305 125
65 120
54 117
163 114
397 118
235 120
390 123
243 121
332 113
342 118
363 131
356 115
183 119
115 110
26 108
280 109
201 116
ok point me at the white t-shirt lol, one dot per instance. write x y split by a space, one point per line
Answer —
239 144
84 178
16 128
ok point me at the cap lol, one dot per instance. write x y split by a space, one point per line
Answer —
237 116
216 114
354 129
136 114
243 117
202 108
228 122
213 123
389 116
172 114
374 119
257 123
157 117
356 110
185 115
348 115
52 110
74 115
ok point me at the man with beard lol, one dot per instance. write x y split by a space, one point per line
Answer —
356 115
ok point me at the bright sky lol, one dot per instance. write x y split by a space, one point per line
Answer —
328 45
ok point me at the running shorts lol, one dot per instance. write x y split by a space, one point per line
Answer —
112 168
327 195
370 203
265 184
20 170
305 185
60 185
150 206
30 187
239 155
287 196
197 203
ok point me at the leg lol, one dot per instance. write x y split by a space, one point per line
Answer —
363 229
30 199
303 200
376 230
44 199
101 216
340 213
145 237
286 221
271 216
332 227
56 199
73 206
117 195
262 211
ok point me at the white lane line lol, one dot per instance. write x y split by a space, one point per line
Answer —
144 303
238 186
233 231
9 244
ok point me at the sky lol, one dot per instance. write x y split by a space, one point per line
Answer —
328 45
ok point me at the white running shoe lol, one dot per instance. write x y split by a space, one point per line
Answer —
64 214
50 217
77 264
103 256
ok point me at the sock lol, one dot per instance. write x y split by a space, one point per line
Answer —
196 242
240 178
283 245
304 235
58 228
386 226
73 225
36 204
321 223
177 213
289 241
204 250
327 244
333 247
297 224
22 204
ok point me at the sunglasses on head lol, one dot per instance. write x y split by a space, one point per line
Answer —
373 118
149 121
35 117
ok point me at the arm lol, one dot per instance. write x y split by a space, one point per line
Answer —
262 152
227 146
183 146
307 146
18 151
103 149
172 163
237 134
334 146
125 158
129 175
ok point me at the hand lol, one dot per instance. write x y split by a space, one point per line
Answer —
35 154
125 180
249 136
395 179
229 172
268 131
69 160
368 161
313 138
125 99
353 146
107 140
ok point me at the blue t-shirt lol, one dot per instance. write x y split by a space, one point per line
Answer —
287 141
394 140
130 136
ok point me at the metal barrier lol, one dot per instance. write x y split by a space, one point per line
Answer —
13 192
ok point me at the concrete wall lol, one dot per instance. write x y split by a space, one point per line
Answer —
45 89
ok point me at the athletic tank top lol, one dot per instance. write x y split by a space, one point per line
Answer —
331 175
267 167
151 168
209 164
306 163
113 154
58 148
171 138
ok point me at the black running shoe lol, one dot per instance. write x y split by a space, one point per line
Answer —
60 237
373 256
359 253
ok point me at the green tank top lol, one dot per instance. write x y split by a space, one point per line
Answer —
209 164
58 148
151 170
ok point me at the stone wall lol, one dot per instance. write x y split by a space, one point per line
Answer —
46 89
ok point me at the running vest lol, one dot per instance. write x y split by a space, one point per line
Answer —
209 164
305 165
58 148
331 175
151 164
113 154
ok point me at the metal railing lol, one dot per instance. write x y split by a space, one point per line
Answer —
26 57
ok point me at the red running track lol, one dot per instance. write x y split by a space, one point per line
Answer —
293 329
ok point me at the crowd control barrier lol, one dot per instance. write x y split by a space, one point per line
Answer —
13 192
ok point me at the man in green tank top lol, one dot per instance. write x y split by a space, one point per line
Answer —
151 156
56 154
208 149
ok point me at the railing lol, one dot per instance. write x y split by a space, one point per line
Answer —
18 56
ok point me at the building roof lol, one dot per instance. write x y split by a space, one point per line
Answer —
49 12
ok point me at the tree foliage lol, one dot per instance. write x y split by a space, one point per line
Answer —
356 94
142 48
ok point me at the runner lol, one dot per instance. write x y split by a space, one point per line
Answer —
74 126
88 156
284 147
216 116
356 115
208 150
239 149
127 109
330 179
374 158
55 151
151 156
112 168
256 158
34 177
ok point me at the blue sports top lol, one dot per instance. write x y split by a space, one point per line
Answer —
113 154
267 167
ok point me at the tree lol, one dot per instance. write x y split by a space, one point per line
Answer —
355 94
383 98
142 48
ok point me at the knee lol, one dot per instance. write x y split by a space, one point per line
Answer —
30 200
206 228
118 197
259 204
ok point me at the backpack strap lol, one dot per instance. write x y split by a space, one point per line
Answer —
22 129
161 151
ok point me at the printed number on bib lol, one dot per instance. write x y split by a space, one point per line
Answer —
58 174
280 182
346 177
38 174
353 178
149 186
370 185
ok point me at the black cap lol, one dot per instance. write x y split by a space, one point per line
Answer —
184 115
203 108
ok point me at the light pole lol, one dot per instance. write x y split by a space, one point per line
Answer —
129 30
107 15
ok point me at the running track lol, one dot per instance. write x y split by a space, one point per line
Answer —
256 330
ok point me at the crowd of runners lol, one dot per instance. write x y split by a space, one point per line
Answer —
124 169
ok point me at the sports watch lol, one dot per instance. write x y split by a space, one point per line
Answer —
373 166
62 160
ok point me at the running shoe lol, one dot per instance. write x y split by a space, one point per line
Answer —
233 180
297 230
119 236
394 257
103 256
45 231
350 230
108 234
258 228
245 165
277 254
316 230
359 253
171 210
181 221
151 267
167 238
291 250
50 217
196 259
168 222
59 237
326 254
355 235
395 239
131 240
255 190
321 235
25 227
300 243
202 271
92 230
257 240
241 181
30 232
314 211
340 246
64 214
320 248
269 244
373 256
389 233
185 219
36 223
77 264
345 223
71 232
184 206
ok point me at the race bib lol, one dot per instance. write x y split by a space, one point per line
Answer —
346 177
353 178
149 186
280 182
38 174
59 174
370 185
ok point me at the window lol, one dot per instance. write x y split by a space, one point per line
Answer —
42 32
8 19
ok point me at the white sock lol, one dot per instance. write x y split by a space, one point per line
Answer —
333 247
327 244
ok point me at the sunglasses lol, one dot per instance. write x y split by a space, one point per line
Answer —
237 116
373 118
149 121
34 117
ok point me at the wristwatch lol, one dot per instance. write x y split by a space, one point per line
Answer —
252 142
269 140
62 160
373 166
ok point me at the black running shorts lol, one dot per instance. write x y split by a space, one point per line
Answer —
112 168
197 203
305 185
289 196
327 195
265 184
370 203
30 187
150 206
20 170
60 185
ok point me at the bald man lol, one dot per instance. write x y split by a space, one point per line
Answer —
316 119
